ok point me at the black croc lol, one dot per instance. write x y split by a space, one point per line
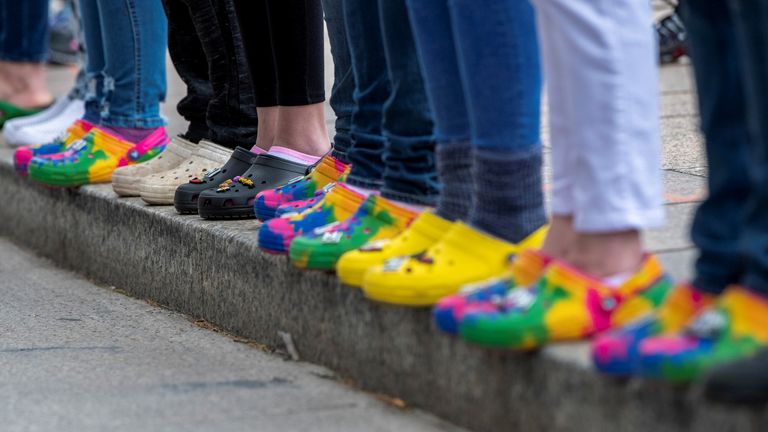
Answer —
185 199
234 199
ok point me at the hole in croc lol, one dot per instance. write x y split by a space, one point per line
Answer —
194 198
251 201
263 182
207 203
229 203
367 231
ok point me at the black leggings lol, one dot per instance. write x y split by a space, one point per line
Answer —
284 47
206 47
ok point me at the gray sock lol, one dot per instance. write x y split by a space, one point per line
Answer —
508 192
454 168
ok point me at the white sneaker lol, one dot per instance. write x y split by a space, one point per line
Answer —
46 125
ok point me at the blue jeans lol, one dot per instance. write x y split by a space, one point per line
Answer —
392 128
24 30
125 44
728 46
481 65
341 101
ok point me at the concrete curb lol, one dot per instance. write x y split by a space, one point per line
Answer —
214 270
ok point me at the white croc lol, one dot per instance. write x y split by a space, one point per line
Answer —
126 180
160 188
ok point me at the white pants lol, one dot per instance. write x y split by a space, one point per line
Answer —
600 65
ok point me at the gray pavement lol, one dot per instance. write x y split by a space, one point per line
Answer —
78 357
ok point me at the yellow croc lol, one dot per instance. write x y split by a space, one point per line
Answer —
463 256
424 232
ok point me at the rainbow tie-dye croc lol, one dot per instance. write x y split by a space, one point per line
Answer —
566 305
615 352
94 158
527 268
735 328
24 155
276 235
328 171
297 207
376 219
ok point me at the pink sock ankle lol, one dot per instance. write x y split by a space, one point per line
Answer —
293 155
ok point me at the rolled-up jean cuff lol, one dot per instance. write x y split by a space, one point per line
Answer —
132 122
27 58
364 183
423 200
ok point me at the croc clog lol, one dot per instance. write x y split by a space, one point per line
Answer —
615 352
276 235
527 267
566 305
125 180
94 158
236 199
329 170
734 328
424 232
464 255
160 188
376 219
24 155
186 196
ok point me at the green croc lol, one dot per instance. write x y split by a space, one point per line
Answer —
9 111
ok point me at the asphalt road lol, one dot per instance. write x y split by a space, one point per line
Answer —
78 357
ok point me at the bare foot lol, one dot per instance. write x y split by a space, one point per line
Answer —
24 84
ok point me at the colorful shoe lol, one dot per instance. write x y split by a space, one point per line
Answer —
527 268
94 158
23 155
126 180
329 170
615 352
376 219
566 305
464 255
424 232
341 202
10 111
297 207
735 328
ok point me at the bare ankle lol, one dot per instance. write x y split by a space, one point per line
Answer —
560 237
607 254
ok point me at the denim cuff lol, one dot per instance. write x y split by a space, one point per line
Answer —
420 199
133 122
25 58
364 183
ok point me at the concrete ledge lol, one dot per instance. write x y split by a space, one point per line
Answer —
215 271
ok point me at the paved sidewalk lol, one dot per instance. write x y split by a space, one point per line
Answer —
75 357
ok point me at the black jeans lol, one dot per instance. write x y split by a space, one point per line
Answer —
284 47
206 47
729 48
